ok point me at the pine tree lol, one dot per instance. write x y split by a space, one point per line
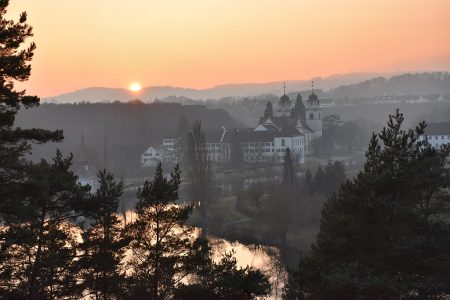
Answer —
161 241
103 243
386 233
222 280
37 242
293 290
40 250
14 141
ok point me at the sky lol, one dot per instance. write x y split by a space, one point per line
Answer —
203 43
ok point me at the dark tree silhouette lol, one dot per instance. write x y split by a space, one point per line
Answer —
384 235
40 250
161 241
199 170
103 243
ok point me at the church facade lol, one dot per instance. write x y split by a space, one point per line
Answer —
292 124
295 117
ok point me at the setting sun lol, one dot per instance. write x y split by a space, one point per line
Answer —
135 87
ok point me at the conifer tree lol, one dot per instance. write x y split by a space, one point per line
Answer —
333 177
104 243
15 66
161 241
386 233
222 280
36 200
40 250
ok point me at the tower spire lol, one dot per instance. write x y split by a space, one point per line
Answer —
312 87
284 88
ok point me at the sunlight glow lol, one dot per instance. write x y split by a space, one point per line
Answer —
135 87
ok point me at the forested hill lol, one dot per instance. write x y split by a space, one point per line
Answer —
436 83
130 127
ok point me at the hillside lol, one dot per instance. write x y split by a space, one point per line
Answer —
437 83
130 127
148 94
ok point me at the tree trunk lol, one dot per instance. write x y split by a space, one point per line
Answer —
32 293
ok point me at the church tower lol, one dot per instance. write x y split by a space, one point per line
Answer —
313 113
284 105
268 113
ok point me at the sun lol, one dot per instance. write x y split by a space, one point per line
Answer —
135 87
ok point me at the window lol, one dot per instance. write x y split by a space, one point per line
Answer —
283 142
311 116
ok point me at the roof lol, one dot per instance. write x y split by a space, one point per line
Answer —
289 131
241 135
213 136
284 98
441 128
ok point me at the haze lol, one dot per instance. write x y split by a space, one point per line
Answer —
200 44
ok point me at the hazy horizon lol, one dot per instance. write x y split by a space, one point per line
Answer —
157 43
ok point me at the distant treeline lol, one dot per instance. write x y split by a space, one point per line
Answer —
435 83
129 128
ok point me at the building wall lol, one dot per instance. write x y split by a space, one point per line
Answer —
439 140
296 144
257 151
314 119
151 157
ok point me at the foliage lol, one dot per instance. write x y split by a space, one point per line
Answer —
385 234
14 141
289 176
224 279
293 290
199 171
103 243
326 180
39 251
160 241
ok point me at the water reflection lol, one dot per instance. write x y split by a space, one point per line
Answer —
264 258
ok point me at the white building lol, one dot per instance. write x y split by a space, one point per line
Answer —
298 117
292 126
438 133
151 157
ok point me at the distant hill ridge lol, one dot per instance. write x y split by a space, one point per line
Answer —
337 86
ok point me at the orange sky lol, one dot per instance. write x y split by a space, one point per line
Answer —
201 43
